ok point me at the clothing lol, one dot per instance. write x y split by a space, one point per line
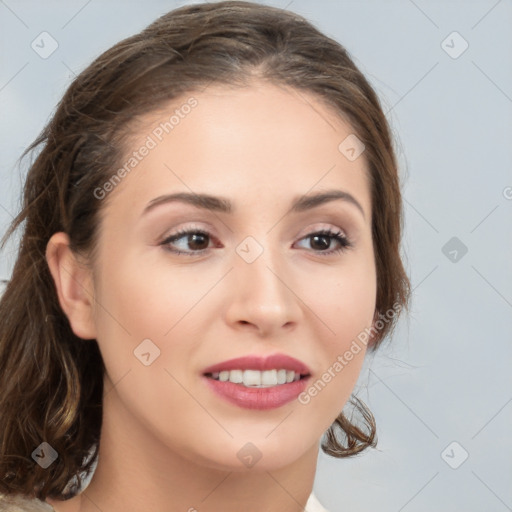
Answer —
19 504
22 504
313 505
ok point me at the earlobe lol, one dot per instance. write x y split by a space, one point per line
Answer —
73 284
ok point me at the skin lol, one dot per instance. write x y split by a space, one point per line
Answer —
169 443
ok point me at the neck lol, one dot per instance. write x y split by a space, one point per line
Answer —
137 472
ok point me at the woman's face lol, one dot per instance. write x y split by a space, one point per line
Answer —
252 280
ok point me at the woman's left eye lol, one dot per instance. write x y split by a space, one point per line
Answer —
197 237
325 236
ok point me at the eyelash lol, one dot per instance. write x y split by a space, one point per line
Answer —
338 236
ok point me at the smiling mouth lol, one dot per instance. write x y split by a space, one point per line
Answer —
257 378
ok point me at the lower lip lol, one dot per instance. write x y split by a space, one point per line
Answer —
257 398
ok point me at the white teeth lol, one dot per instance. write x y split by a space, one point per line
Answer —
269 378
256 378
236 376
252 378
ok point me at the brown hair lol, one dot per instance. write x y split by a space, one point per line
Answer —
51 380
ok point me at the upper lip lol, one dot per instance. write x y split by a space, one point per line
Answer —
253 362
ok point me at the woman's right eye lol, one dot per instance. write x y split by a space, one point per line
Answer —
194 236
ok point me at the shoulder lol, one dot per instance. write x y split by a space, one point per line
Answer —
23 504
313 505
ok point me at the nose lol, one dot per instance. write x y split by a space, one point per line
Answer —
262 297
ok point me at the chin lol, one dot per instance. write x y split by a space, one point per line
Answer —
257 454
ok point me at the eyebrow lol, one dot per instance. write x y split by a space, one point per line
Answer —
224 205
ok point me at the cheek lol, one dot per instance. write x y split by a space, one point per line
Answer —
345 304
144 298
345 301
139 319
137 301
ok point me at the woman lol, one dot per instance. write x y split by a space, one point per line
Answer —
210 247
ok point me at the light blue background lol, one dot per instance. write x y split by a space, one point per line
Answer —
446 375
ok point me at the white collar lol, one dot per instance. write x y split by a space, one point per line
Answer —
313 505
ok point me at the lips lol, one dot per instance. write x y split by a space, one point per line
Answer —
261 398
273 362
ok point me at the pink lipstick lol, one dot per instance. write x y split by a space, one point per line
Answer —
255 382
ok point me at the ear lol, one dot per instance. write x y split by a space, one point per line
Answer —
73 283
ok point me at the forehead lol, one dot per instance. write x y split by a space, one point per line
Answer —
259 141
